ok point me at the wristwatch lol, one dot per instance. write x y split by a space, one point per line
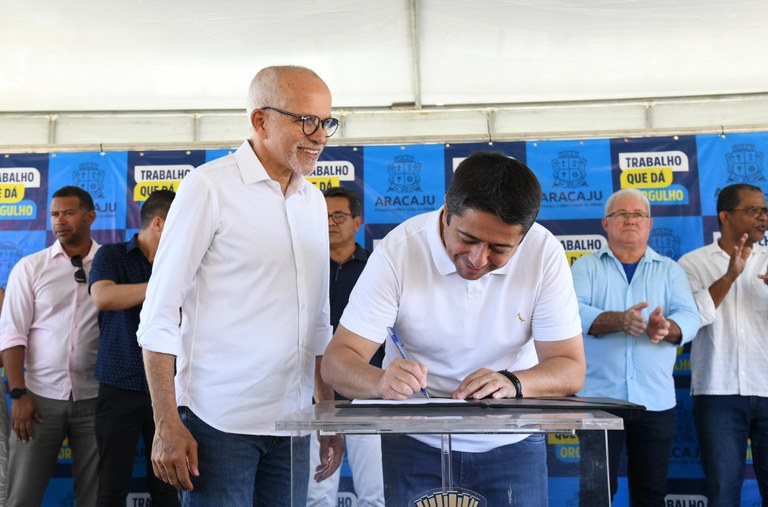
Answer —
515 382
18 392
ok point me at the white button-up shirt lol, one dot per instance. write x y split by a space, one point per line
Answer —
53 316
249 268
730 352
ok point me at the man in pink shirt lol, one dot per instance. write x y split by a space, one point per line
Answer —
49 325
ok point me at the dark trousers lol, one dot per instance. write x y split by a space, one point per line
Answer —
724 423
647 438
121 417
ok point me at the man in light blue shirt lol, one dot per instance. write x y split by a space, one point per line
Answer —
636 308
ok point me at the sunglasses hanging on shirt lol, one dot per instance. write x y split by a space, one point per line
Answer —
77 262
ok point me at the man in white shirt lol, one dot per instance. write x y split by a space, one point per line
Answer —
243 253
483 299
49 325
729 357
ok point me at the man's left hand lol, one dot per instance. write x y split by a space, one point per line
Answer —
658 326
331 451
484 383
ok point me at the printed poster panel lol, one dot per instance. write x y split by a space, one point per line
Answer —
578 237
17 244
575 177
735 158
686 457
103 175
682 368
676 236
214 154
375 233
156 170
456 153
402 181
23 187
665 169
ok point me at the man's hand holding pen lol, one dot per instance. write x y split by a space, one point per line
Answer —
403 372
402 379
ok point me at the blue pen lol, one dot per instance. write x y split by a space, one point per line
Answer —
400 346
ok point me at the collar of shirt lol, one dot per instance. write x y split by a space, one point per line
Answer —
360 254
133 244
650 255
57 249
714 249
252 170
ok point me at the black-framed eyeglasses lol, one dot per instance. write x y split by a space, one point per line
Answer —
310 123
77 262
624 215
755 211
339 217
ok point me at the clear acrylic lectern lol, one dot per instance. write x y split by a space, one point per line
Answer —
334 417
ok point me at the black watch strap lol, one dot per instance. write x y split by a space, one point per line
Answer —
18 392
515 382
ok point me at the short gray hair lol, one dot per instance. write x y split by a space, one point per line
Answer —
264 90
628 192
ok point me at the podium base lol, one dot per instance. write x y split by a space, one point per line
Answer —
449 497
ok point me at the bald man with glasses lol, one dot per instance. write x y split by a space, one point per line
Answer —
244 254
49 323
636 308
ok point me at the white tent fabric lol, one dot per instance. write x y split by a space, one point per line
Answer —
194 55
182 54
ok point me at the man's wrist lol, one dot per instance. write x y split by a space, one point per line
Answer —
18 392
515 382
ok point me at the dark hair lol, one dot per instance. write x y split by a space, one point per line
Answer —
729 198
157 205
355 205
495 184
86 201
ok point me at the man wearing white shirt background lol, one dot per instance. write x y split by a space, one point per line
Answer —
49 324
243 253
729 357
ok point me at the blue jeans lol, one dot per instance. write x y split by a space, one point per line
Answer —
244 470
723 424
647 437
513 475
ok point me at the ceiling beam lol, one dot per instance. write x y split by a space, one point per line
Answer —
120 130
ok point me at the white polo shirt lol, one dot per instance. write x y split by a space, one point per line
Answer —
249 267
456 326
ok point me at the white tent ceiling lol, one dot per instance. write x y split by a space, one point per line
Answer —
190 55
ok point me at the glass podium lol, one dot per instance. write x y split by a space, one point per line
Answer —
335 417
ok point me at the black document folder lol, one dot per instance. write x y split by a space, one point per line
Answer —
544 403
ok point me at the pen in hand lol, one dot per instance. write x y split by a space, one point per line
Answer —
400 346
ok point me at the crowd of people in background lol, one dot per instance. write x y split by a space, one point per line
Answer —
221 315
